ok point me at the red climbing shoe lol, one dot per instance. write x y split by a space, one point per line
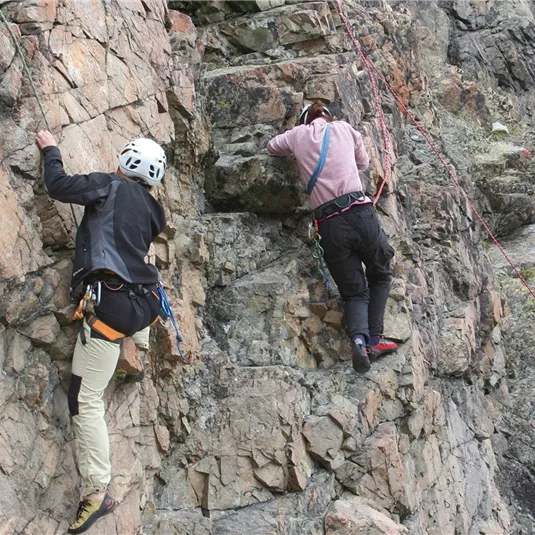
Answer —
383 347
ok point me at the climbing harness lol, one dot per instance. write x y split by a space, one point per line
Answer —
350 200
85 309
370 67
32 84
91 299
167 313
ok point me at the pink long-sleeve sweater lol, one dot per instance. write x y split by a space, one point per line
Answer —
346 155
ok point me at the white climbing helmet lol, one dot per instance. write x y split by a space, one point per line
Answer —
143 158
304 113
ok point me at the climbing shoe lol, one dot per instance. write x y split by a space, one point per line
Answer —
383 347
89 511
361 362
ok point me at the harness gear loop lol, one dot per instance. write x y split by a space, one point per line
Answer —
111 289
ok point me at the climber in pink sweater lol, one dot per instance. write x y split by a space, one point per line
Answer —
329 155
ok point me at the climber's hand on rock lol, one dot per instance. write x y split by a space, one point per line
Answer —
45 139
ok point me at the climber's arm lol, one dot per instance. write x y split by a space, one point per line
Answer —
282 145
78 189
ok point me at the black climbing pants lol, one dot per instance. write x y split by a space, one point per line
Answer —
350 240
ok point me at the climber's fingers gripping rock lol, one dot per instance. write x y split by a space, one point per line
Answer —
45 139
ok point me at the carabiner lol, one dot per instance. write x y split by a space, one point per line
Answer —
97 294
311 231
318 252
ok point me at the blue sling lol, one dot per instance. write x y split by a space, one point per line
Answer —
321 161
167 313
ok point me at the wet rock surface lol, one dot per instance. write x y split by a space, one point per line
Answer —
266 429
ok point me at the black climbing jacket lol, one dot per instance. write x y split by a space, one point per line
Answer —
121 220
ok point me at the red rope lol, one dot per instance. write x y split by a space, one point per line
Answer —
369 67
384 131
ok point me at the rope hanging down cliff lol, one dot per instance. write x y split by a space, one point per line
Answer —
377 100
370 67
34 89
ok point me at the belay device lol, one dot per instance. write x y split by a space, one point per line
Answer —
167 313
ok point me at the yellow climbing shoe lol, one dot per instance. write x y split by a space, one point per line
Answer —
89 511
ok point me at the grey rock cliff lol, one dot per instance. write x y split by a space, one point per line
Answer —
266 429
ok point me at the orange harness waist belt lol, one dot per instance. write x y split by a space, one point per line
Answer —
105 330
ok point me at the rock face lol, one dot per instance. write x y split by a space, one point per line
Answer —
266 429
513 443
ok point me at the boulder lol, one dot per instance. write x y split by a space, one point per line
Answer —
346 517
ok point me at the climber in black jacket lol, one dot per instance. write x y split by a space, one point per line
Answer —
121 220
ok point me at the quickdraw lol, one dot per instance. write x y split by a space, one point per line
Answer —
91 297
318 253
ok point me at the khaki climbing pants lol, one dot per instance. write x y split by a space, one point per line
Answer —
93 366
